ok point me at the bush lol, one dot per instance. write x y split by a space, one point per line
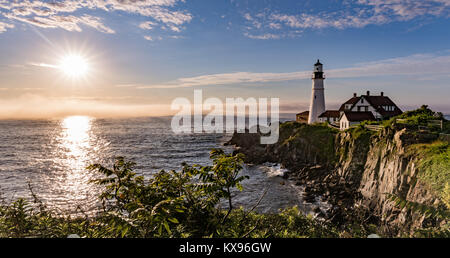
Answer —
418 117
170 204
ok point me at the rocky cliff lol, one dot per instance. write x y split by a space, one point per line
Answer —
355 170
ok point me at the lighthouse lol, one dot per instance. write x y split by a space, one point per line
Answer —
317 106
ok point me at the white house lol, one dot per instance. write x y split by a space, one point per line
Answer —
349 119
367 107
381 106
302 117
353 111
330 116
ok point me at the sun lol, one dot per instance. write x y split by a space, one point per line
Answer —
74 66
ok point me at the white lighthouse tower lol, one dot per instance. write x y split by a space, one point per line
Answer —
317 106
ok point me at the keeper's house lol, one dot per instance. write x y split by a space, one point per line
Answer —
366 107
352 112
330 116
349 118
302 117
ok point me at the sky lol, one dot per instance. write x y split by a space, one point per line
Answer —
142 54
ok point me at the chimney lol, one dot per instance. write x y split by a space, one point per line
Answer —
382 94
368 93
354 95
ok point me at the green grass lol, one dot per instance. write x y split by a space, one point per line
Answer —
419 117
360 133
434 165
318 137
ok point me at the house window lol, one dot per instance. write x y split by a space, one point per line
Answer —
362 101
366 108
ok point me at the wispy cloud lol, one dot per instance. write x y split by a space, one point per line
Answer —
43 65
149 38
34 105
263 36
148 25
31 89
68 14
70 23
354 14
420 64
5 26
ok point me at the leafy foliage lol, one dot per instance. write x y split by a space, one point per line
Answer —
418 117
169 204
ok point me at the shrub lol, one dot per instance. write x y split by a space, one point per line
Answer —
169 204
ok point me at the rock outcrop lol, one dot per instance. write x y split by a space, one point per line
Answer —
354 170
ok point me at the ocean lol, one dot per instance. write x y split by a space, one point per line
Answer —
51 157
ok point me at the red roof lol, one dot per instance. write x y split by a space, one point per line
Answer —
359 116
305 113
351 101
331 113
378 102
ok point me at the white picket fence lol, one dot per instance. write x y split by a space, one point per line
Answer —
374 127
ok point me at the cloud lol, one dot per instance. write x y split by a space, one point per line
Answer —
33 105
95 23
43 65
61 14
69 23
147 25
149 38
174 28
263 36
5 26
31 89
414 65
353 14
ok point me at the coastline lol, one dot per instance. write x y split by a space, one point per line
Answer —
355 171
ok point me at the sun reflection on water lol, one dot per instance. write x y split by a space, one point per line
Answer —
77 127
75 136
74 153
